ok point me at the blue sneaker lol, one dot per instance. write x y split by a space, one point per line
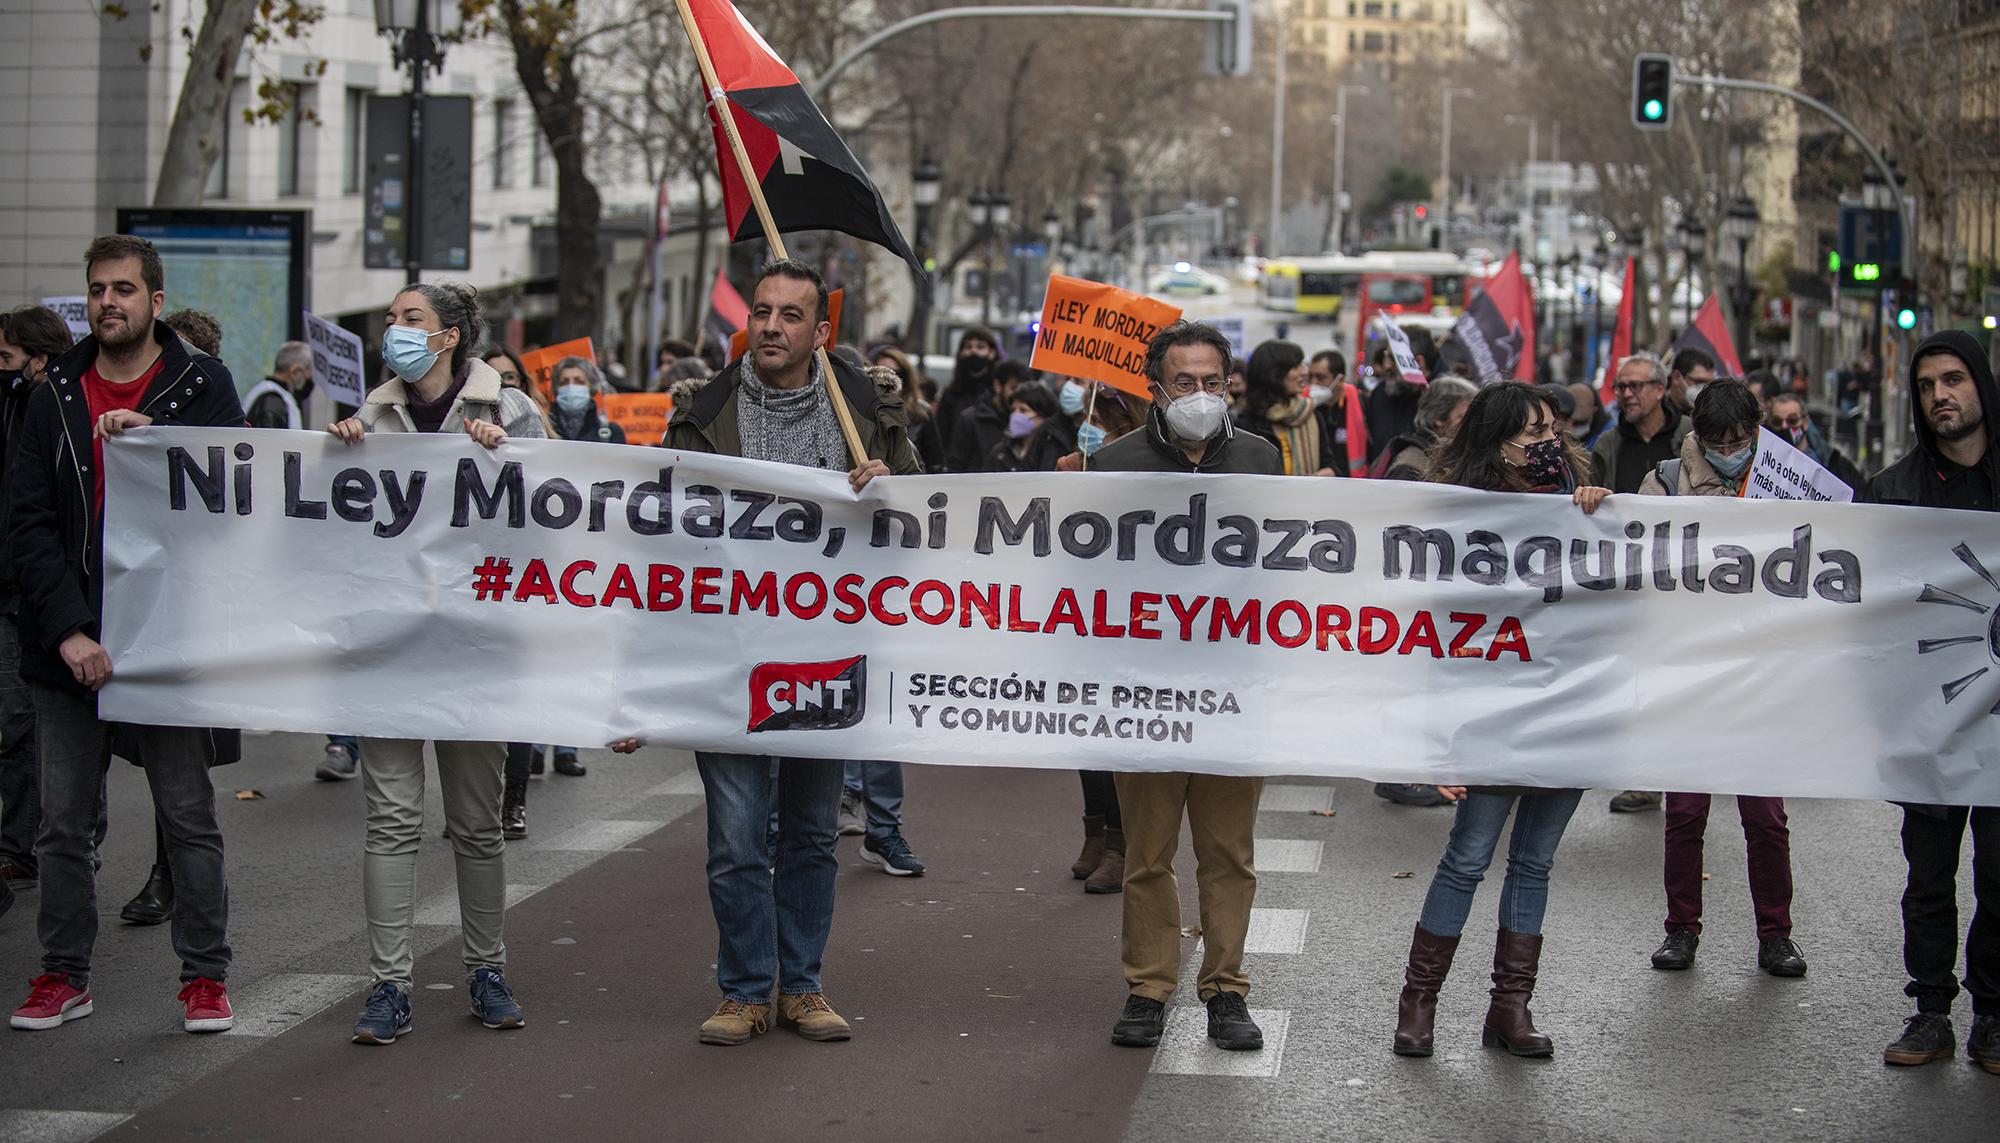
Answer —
493 1002
893 854
386 1017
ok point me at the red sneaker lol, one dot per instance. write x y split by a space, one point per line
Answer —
207 1004
51 1001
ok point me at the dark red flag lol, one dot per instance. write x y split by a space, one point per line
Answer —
1710 334
810 179
1498 328
1621 338
727 311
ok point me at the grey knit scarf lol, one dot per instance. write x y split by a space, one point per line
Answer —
790 426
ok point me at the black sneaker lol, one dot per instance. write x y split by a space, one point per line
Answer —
1781 957
1230 1026
1141 1024
1983 1046
567 765
1677 951
1926 1037
1411 794
893 854
337 766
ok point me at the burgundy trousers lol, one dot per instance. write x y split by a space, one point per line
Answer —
1769 843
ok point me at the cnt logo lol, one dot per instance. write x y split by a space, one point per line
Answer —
808 696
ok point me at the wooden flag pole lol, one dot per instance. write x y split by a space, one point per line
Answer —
1088 413
718 99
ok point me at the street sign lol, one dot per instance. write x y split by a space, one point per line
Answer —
446 184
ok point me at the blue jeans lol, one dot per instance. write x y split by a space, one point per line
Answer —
1538 828
75 751
773 928
879 787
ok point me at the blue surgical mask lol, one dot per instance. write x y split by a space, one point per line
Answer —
408 352
1071 398
1730 467
1089 438
573 398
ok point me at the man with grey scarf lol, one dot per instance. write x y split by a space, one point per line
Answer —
776 405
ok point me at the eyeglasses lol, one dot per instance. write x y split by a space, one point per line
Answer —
1729 448
1185 386
1623 388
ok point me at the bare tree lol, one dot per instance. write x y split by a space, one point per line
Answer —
194 138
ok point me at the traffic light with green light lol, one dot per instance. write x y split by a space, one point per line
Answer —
1906 318
1652 91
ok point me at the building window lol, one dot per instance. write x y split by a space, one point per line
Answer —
1392 43
1371 42
1350 8
503 143
538 164
1350 40
1395 11
291 145
1372 9
354 141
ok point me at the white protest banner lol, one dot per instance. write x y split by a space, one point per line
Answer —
1399 344
336 360
1233 328
1236 624
75 312
1782 472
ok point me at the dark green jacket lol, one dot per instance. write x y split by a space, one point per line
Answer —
704 418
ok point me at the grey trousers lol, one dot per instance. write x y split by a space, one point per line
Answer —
470 779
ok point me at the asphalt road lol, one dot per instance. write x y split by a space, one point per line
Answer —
982 994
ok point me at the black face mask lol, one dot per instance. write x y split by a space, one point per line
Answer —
304 390
10 379
1545 464
975 368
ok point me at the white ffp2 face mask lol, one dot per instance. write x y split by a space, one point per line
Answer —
1197 416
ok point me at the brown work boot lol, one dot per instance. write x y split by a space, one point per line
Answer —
1093 847
1416 1009
1509 1025
735 1022
815 1018
1109 876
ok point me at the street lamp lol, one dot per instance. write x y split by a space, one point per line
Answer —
416 30
926 182
981 210
1528 184
1740 225
1338 219
1445 196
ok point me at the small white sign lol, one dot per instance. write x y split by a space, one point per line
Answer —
1781 472
336 360
75 313
1231 327
1406 358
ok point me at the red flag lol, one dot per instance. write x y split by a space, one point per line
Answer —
1498 328
727 311
1357 432
1621 338
810 180
1710 334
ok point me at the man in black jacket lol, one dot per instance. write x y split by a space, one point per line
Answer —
1188 430
1954 465
983 424
132 371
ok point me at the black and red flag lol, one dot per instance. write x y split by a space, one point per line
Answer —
1621 337
809 177
1498 328
1710 334
727 311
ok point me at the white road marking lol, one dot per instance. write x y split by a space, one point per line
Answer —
279 1002
1284 855
443 909
601 837
1185 1051
19 1125
1281 931
1295 799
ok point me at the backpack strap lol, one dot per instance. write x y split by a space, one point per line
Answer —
1669 472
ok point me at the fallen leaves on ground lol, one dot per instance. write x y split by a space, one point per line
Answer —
249 795
1403 876
1323 813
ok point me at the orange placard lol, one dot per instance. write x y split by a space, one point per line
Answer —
643 416
541 363
740 340
1098 333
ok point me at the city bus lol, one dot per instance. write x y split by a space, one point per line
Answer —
1312 286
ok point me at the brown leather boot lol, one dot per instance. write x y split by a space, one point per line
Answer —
1430 960
1093 847
1109 876
1508 1022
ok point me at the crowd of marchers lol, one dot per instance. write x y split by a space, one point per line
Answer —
1673 428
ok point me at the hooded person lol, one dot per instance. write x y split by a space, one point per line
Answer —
971 376
984 423
1953 465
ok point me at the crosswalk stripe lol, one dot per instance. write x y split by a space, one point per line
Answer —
600 837
443 909
1295 799
24 1125
1287 855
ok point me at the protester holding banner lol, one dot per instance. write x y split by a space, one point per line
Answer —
1188 430
30 338
1277 407
776 405
1714 462
1510 441
274 402
440 386
1955 464
130 372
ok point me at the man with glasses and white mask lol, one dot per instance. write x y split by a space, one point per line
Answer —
1188 430
1649 431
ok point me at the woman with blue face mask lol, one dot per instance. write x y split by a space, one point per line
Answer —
1715 461
575 415
439 386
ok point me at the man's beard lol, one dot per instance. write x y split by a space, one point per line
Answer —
133 333
1960 431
